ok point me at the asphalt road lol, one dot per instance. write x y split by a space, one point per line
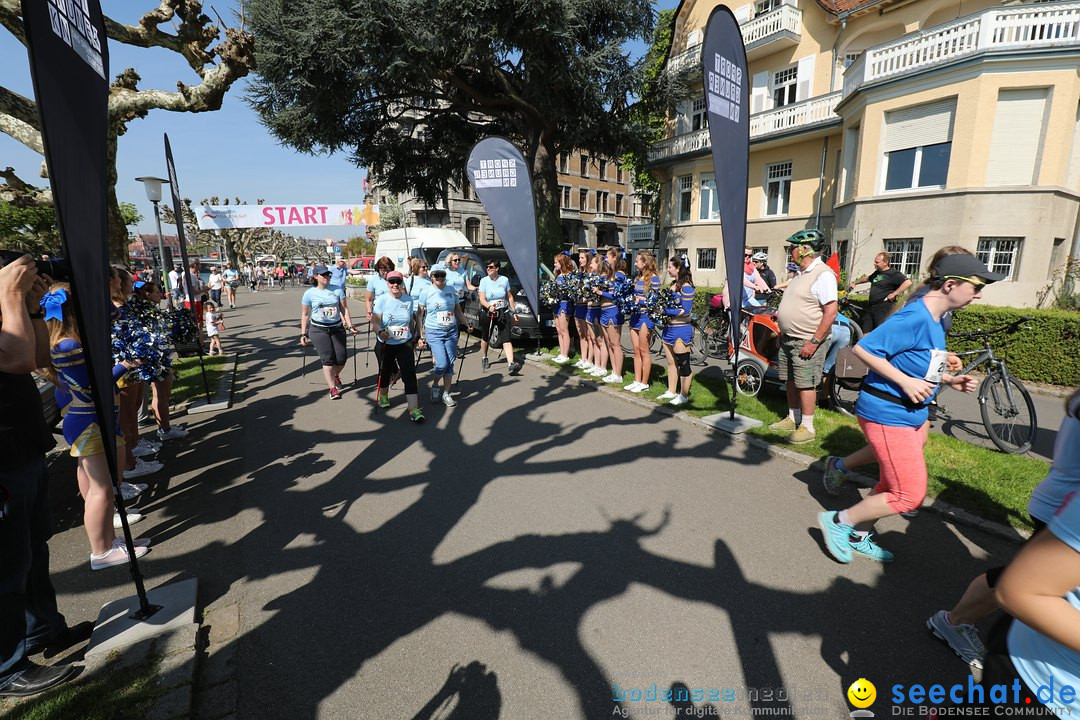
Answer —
530 553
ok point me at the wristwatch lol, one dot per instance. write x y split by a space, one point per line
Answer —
815 341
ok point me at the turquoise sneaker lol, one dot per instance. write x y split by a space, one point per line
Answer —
833 478
872 550
837 536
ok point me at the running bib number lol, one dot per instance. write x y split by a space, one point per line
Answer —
398 332
328 314
444 318
497 304
938 366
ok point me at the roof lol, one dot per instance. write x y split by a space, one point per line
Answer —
849 7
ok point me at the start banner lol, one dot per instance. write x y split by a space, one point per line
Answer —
223 217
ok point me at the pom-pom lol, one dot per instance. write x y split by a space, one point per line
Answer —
623 293
183 329
137 337
657 301
549 293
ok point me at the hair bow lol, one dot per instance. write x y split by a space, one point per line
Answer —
53 302
566 253
685 261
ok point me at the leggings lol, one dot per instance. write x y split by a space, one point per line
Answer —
393 358
329 343
899 452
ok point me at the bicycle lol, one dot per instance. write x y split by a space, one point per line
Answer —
1004 403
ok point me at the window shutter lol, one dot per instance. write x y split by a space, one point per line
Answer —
1016 138
759 92
744 12
928 124
805 79
682 117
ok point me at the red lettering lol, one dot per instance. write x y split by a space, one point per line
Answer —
322 214
268 213
281 214
294 216
309 215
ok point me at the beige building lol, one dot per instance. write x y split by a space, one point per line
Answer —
899 125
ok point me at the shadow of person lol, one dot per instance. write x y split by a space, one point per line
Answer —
680 700
469 693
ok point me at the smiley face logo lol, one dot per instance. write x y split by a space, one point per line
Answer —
862 693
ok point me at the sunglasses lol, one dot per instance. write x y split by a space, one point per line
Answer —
455 259
977 282
492 267
393 282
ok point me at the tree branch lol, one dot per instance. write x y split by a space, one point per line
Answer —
28 135
192 40
18 192
18 107
11 19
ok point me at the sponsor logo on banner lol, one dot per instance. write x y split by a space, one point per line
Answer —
85 41
724 85
497 173
247 216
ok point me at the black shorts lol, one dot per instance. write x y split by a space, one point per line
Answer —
501 320
329 342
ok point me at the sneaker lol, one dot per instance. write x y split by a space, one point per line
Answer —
515 367
632 386
801 435
639 387
484 364
833 478
174 433
612 379
679 399
116 555
337 381
598 372
384 401
963 639
416 415
587 367
786 425
666 396
142 467
130 491
335 394
132 518
910 513
837 536
580 365
561 359
448 401
145 449
436 394
866 546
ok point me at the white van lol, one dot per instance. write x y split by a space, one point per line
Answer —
402 243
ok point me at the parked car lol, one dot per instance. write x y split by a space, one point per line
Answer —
362 265
473 261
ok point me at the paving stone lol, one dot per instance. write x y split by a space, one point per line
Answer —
174 704
217 701
184 638
224 623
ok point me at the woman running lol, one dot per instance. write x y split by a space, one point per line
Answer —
611 316
597 344
564 311
581 310
906 358
641 325
394 321
439 317
324 319
679 333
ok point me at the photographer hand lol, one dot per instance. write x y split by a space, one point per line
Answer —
18 276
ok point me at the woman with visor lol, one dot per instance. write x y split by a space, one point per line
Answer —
439 316
393 319
324 318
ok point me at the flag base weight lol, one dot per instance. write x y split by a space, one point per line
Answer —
118 624
736 426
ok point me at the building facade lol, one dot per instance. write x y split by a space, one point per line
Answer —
897 125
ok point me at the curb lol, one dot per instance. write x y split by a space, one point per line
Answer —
223 392
950 513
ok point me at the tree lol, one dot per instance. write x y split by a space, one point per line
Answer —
33 228
359 246
218 66
408 87
391 216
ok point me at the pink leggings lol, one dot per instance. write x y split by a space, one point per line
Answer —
899 452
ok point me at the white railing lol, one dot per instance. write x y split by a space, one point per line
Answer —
798 115
680 145
691 57
1026 27
569 213
786 17
603 217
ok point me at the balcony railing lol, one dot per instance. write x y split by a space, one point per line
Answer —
603 217
785 19
799 116
689 58
569 214
1029 27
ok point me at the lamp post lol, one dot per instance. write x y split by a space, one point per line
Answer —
152 185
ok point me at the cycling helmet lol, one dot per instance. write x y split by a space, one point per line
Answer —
760 256
814 238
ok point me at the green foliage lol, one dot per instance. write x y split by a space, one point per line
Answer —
651 108
1064 286
130 213
359 246
391 217
32 229
1047 352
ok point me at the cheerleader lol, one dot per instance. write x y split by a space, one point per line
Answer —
581 310
641 325
597 345
611 316
679 333
82 432
564 268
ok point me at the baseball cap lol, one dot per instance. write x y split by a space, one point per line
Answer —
394 274
321 270
965 266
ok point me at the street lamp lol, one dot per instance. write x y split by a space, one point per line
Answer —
152 185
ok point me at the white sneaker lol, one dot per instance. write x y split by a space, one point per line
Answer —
598 372
639 387
561 359
580 365
448 401
679 400
667 396
142 467
173 433
144 447
613 378
117 555
132 518
631 386
130 491
586 366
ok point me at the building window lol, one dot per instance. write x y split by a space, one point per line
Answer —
917 145
1000 254
706 259
923 166
699 117
618 174
564 162
584 166
466 191
583 200
618 204
777 188
785 84
472 230
564 196
686 185
603 169
906 255
601 201
765 6
708 205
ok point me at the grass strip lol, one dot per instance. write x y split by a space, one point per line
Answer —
189 384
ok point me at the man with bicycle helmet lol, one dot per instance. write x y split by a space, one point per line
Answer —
761 262
805 316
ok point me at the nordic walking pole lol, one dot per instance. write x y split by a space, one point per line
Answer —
378 383
491 325
461 362
304 375
367 344
355 379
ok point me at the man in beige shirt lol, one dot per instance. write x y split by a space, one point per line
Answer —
805 316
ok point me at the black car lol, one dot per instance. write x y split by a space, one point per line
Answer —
473 262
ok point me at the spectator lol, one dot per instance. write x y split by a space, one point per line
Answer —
338 273
232 281
216 283
214 326
174 282
886 284
761 262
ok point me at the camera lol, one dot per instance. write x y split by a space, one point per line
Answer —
56 268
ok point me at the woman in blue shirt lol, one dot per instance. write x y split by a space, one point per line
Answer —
564 311
394 320
324 318
611 317
581 310
376 285
597 344
439 316
679 333
497 303
641 325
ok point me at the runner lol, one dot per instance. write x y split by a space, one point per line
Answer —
679 333
418 278
497 303
641 325
394 321
232 281
215 284
564 311
906 358
326 313
581 310
439 316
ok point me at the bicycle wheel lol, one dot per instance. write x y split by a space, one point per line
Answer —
843 392
714 334
1007 412
749 378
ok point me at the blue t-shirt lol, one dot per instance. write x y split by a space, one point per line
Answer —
338 275
495 289
439 307
456 279
377 286
1064 475
1039 660
396 316
415 285
914 343
325 306
230 275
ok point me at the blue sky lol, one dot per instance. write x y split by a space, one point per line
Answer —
224 153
